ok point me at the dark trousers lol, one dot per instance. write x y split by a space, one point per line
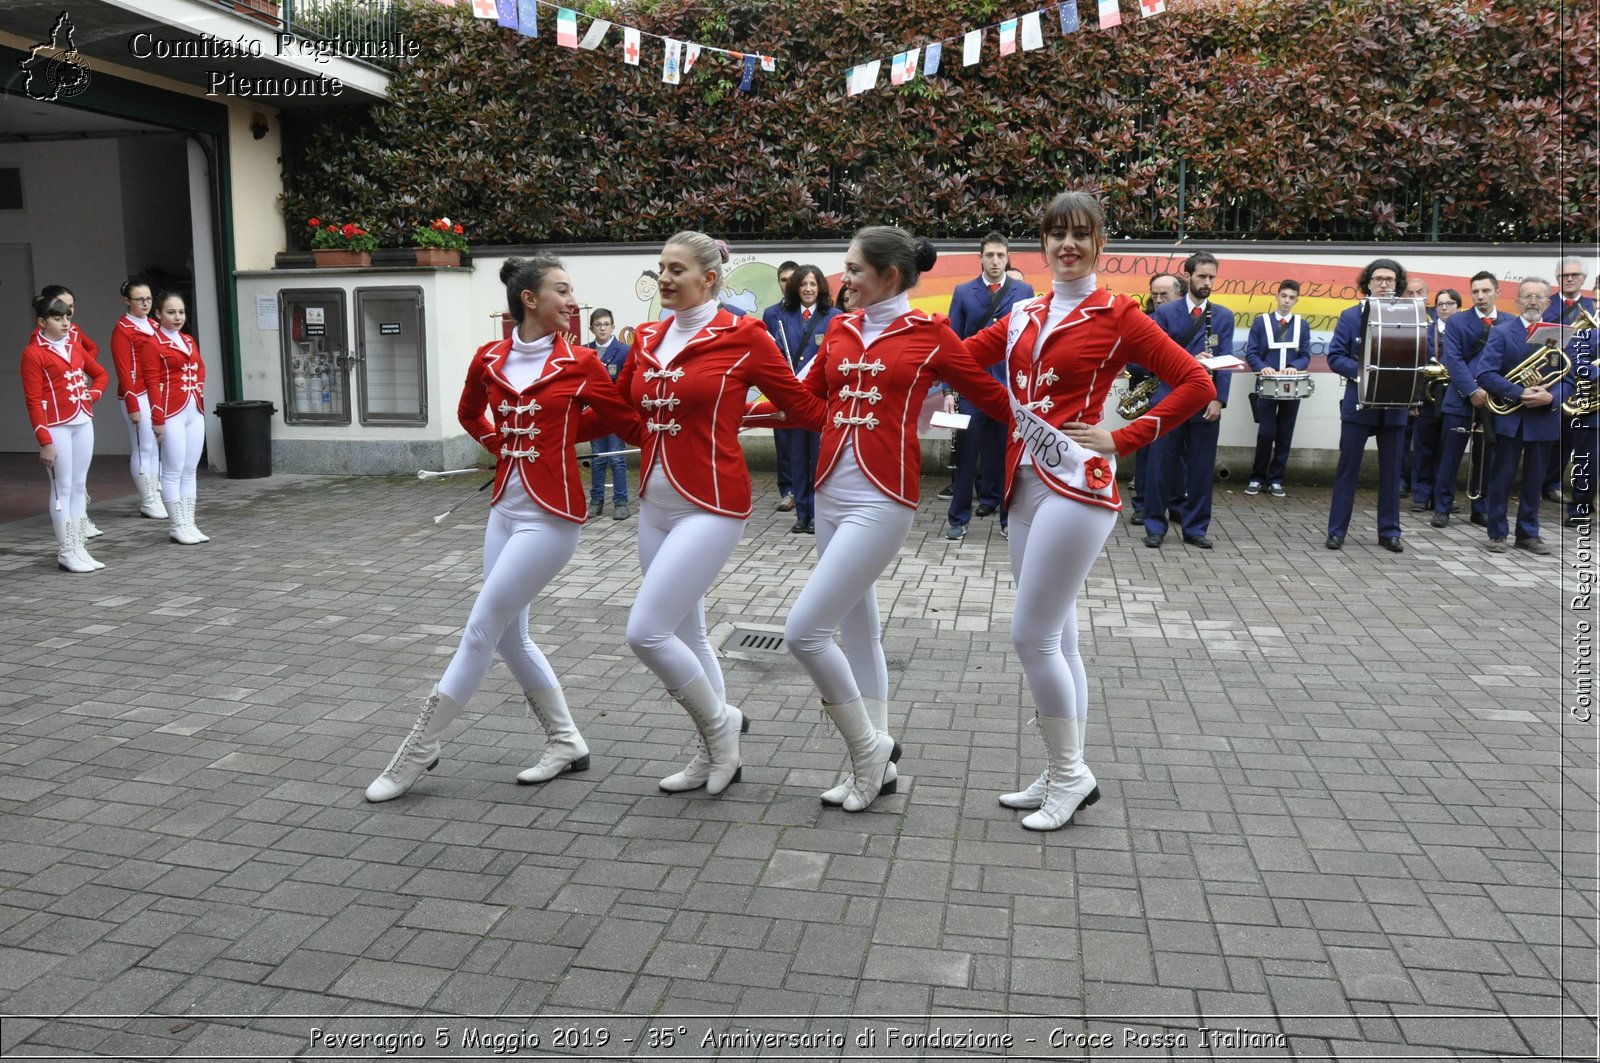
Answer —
981 465
783 441
1426 439
1182 464
1352 445
1274 434
1509 452
803 450
1141 472
1454 433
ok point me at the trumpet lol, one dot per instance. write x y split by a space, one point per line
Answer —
1139 398
1435 378
1542 368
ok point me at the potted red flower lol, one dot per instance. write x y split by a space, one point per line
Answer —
439 243
338 246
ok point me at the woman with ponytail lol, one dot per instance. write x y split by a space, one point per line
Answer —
689 374
874 370
144 461
1062 352
528 399
61 383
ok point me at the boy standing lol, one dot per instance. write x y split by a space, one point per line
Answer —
612 355
1279 343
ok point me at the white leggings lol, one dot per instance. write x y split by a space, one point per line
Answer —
520 556
1054 542
855 543
180 452
144 458
682 549
74 445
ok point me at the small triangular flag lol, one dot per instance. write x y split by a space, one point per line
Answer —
1110 14
670 71
1032 35
970 44
630 46
750 62
930 59
691 52
596 34
505 12
1069 16
528 17
567 27
484 9
1008 36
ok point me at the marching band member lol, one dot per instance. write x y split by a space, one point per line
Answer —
175 379
1184 463
1381 278
144 461
1465 338
798 325
61 384
1278 343
1529 434
1426 435
1063 351
874 371
544 395
1164 287
689 374
1568 307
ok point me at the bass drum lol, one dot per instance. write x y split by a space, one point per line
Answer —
1394 348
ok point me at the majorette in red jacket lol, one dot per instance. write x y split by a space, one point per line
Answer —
1081 359
57 389
693 408
125 341
874 394
172 375
534 430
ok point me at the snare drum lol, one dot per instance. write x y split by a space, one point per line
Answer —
1394 349
1285 387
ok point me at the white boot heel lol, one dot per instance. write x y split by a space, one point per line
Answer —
716 764
564 748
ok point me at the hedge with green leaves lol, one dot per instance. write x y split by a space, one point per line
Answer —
1356 119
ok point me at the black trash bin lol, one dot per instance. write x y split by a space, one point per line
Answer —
247 437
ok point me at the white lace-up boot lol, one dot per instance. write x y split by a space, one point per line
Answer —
81 547
150 497
564 747
420 750
188 520
871 753
715 765
1070 784
878 713
67 557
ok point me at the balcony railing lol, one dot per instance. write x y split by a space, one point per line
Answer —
347 24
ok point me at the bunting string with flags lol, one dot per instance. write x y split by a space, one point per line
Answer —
678 56
1025 30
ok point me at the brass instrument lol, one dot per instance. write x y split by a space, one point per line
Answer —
1480 451
1435 378
1542 368
1139 398
1585 397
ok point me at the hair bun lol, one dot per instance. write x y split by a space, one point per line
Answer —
927 254
724 250
510 267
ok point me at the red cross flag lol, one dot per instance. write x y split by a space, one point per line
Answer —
1152 7
630 45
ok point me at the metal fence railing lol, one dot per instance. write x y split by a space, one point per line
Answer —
359 28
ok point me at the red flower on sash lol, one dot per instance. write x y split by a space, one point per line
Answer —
1097 472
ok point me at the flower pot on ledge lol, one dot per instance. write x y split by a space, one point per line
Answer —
437 257
336 259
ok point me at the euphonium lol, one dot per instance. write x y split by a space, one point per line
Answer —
1435 378
1542 368
1585 397
1137 402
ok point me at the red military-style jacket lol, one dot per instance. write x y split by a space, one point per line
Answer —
693 407
533 431
125 341
874 394
58 389
1082 357
172 376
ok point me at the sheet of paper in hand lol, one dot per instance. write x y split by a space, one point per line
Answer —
1059 458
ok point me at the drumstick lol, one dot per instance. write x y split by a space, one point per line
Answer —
440 518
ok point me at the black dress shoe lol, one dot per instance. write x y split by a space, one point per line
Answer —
811 527
1422 507
985 510
1480 520
1533 545
947 491
1136 517
1153 540
1392 544
799 526
1440 520
1203 542
1335 542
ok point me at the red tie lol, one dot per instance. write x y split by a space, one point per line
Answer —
1195 312
805 315
1571 303
1488 322
994 287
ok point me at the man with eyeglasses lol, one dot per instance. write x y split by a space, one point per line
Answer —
1569 306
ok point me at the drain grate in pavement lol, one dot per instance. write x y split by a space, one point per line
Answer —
758 641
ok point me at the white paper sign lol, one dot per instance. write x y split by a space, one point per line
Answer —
957 421
267 313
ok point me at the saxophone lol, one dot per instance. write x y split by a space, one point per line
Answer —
1138 400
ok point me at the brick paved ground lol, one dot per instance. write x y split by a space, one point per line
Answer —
1344 804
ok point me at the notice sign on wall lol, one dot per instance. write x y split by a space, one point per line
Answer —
388 328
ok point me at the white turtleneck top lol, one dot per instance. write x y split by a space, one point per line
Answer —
142 324
847 483
524 363
684 326
1064 300
179 338
881 315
